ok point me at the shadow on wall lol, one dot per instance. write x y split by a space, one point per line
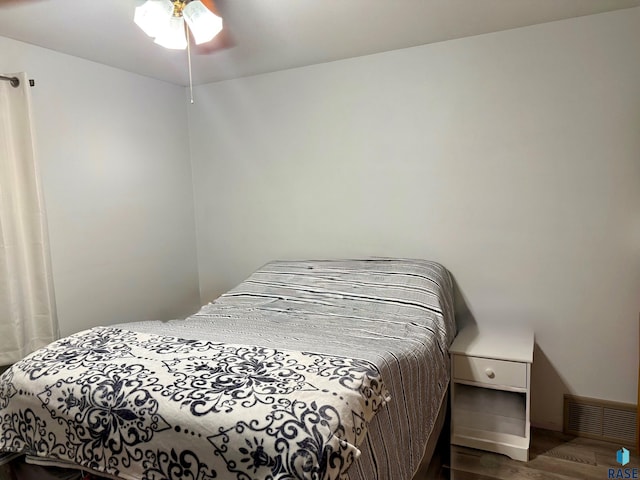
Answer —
547 392
463 314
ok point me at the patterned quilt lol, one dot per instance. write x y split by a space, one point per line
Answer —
145 406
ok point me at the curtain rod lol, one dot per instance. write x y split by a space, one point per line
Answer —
15 81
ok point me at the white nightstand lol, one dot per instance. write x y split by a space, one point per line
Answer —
491 389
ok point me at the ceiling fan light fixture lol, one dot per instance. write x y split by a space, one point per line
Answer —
167 21
153 16
173 35
203 23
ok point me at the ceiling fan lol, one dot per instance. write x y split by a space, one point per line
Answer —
173 23
176 24
168 9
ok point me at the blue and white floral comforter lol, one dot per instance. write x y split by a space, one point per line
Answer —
144 406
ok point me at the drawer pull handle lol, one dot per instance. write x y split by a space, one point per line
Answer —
490 373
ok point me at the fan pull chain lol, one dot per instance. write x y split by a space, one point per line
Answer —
189 61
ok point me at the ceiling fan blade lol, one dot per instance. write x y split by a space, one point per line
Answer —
221 41
211 5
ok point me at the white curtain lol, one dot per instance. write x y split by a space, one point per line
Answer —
27 306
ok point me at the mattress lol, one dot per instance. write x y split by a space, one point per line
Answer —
385 322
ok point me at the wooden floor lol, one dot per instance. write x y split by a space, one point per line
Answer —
553 456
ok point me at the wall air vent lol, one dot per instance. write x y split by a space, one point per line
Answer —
601 419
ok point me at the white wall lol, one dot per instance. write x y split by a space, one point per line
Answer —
114 156
512 158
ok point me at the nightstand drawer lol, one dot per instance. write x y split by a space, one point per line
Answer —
489 371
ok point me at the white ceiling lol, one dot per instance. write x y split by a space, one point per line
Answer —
272 35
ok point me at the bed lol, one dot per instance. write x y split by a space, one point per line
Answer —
332 369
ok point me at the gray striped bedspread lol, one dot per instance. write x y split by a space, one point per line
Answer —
395 313
324 370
